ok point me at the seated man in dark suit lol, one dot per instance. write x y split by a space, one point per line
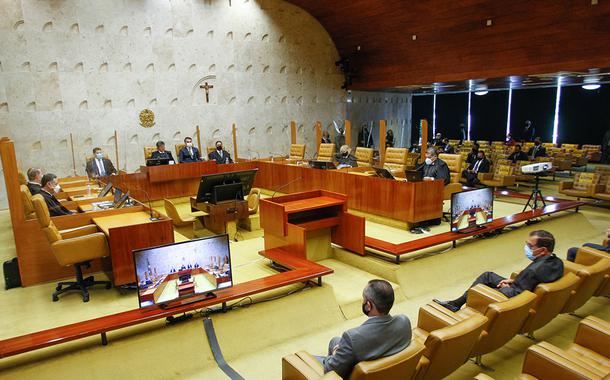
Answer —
379 336
189 153
345 159
517 155
161 153
545 267
34 178
220 155
472 156
537 150
481 165
99 166
446 147
572 252
49 188
434 167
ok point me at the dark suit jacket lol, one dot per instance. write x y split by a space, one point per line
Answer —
448 149
537 151
377 337
55 207
93 170
438 170
35 188
518 156
184 155
542 270
349 160
220 160
483 166
165 155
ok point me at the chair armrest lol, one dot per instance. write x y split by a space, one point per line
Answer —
294 368
589 256
599 188
570 267
514 275
591 188
605 242
482 376
545 361
593 333
433 317
566 185
70 205
196 214
509 180
485 176
80 249
480 296
79 231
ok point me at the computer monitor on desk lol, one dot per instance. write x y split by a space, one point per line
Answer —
315 164
105 190
158 161
219 187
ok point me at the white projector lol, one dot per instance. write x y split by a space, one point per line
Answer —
536 168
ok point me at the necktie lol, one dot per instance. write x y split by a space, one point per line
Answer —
476 166
191 152
100 165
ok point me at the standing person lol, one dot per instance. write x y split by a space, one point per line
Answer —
340 138
389 139
364 137
606 147
220 155
99 166
188 153
528 131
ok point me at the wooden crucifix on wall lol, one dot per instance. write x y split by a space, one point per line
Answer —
207 87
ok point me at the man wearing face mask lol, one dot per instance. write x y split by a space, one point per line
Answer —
220 155
345 159
537 150
434 167
99 166
481 165
189 153
379 336
49 188
545 267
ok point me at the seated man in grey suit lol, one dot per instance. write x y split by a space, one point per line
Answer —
379 336
99 166
161 153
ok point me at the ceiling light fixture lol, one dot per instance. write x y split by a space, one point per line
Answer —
480 93
591 86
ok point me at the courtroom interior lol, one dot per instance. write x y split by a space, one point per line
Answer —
303 190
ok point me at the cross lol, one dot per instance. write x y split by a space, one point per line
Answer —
207 88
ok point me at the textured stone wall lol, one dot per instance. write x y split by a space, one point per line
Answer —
88 67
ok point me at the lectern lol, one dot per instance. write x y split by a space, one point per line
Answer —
220 217
305 223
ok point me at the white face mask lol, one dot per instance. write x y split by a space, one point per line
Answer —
428 161
189 144
57 188
99 156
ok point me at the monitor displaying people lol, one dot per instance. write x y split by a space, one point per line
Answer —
471 209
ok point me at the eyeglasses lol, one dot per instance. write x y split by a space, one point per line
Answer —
529 245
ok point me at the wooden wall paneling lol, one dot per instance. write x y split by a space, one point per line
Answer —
318 127
272 218
350 233
424 139
382 133
293 132
348 133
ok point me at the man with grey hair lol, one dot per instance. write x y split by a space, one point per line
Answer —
345 159
434 167
379 336
34 178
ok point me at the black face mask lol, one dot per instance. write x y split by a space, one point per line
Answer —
345 154
219 148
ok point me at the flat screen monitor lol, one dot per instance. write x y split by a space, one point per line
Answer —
177 271
471 209
384 173
157 161
117 195
122 201
414 175
322 164
105 190
207 183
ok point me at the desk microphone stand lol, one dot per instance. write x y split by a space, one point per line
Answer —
536 192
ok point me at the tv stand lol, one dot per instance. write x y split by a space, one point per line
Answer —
186 301
470 230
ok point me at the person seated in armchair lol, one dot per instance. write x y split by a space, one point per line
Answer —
572 252
220 155
188 153
480 165
545 267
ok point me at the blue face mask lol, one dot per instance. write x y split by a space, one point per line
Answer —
529 253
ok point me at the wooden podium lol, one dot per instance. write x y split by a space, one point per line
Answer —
295 221
220 218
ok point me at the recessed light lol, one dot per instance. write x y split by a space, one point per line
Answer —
414 37
489 22
481 92
593 86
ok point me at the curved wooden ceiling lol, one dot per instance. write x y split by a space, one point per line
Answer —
453 41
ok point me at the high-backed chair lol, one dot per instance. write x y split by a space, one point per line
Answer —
402 365
326 152
588 357
454 163
569 147
253 200
585 185
148 151
297 152
448 341
587 256
396 159
178 147
501 177
26 199
604 173
364 156
591 278
593 152
76 247
550 299
412 160
187 224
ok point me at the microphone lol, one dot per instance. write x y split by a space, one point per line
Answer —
286 185
152 216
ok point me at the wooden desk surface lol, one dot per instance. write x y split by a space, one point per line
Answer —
311 203
95 189
105 223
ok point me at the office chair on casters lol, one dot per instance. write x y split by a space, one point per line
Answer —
75 247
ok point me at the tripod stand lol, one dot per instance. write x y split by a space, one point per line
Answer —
536 193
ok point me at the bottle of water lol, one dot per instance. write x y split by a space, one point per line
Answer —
89 189
227 160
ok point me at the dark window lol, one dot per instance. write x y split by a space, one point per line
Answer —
422 109
584 115
536 105
488 116
451 110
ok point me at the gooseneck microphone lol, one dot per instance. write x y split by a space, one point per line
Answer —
286 185
152 215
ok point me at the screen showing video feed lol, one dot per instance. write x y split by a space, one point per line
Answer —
471 209
182 270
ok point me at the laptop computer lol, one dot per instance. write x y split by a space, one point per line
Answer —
384 173
118 202
414 175
105 190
